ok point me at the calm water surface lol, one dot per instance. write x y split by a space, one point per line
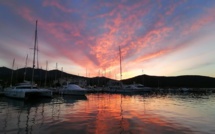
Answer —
110 113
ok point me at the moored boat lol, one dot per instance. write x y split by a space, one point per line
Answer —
137 88
72 89
26 90
118 87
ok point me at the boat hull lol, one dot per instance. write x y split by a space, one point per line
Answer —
27 93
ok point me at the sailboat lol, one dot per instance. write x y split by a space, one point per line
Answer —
119 87
28 90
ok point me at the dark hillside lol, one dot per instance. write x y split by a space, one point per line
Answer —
178 81
193 81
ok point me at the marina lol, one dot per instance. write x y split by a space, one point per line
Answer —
107 67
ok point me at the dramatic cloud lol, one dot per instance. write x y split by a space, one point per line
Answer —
87 34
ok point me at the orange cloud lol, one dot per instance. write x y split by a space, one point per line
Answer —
90 37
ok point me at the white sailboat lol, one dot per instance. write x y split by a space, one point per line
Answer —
28 90
119 87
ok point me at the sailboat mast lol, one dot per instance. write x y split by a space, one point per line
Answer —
61 72
12 72
120 63
37 52
46 72
26 62
35 46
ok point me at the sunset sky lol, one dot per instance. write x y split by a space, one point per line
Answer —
157 37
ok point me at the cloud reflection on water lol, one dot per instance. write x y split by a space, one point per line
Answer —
110 113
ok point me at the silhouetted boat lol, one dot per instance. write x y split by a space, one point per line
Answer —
26 89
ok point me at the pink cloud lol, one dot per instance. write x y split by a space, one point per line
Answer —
56 4
173 6
210 18
127 27
92 41
121 33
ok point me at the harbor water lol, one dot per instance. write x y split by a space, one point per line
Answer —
110 114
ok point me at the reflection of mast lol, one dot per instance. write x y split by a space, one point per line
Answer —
6 119
55 108
121 114
27 121
144 107
59 110
34 118
29 126
42 114
18 121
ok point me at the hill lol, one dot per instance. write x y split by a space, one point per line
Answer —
194 81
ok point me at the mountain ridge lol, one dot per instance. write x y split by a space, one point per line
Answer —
195 81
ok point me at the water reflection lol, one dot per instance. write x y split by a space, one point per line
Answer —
19 116
110 113
73 99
